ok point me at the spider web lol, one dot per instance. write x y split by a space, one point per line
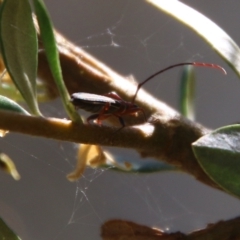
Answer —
131 37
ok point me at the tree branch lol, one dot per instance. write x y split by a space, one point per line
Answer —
172 136
167 136
168 140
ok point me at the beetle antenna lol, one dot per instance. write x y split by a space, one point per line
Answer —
197 64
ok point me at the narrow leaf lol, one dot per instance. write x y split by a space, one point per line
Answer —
6 232
19 48
10 105
48 39
219 155
140 166
187 93
219 40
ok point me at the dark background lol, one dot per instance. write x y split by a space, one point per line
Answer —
134 39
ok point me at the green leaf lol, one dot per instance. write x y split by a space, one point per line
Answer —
6 232
19 48
219 40
10 105
219 155
187 93
48 39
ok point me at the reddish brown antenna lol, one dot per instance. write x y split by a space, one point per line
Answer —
197 64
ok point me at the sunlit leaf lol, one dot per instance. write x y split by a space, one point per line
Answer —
19 48
219 155
6 233
10 105
48 39
207 29
187 93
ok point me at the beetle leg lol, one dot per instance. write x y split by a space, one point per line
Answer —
92 118
143 113
121 121
98 117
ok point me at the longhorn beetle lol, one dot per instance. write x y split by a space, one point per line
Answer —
111 104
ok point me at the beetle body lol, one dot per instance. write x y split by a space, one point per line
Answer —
93 102
104 106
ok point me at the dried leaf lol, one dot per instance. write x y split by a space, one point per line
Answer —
8 166
91 155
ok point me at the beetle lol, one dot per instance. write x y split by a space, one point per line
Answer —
111 104
104 106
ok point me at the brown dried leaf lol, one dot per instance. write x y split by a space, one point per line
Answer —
126 230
